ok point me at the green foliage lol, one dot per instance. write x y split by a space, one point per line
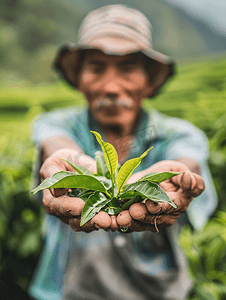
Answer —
21 217
65 179
206 254
157 177
110 156
127 169
151 190
93 185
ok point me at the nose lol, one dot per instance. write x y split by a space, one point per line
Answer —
111 85
112 88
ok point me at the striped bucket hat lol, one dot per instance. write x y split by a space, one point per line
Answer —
115 30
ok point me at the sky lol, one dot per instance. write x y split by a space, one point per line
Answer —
213 11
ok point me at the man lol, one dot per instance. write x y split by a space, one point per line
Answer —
115 68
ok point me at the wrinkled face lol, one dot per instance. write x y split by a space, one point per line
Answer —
114 87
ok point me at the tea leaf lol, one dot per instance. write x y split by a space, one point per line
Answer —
93 205
127 194
65 179
127 169
113 207
85 196
106 182
158 177
135 199
80 169
102 169
112 210
151 191
110 154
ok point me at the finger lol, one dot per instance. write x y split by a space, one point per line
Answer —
165 220
124 219
157 207
153 220
114 225
102 220
139 212
63 206
190 182
139 226
197 185
58 192
75 224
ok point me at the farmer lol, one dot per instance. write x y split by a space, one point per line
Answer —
114 66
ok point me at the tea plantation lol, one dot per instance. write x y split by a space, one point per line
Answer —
197 93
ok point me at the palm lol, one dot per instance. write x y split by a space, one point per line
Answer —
153 216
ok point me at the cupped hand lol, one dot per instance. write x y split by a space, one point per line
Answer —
153 216
68 209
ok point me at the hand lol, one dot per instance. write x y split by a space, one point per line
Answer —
69 209
153 216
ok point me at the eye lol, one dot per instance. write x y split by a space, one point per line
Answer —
129 67
96 67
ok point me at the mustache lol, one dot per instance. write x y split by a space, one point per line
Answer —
106 102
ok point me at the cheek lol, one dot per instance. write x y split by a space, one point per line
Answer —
85 84
139 86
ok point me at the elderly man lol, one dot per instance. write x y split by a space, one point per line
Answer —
115 68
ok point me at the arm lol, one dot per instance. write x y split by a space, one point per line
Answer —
54 143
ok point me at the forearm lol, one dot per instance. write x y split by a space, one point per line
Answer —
52 144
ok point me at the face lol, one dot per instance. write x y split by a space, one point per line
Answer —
114 87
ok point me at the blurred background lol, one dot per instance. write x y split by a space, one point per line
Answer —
191 32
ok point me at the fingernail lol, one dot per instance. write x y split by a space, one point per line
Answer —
73 213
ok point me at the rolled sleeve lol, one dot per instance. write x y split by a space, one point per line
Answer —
48 125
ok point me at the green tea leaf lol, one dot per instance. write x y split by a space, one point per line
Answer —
93 205
106 182
137 198
127 194
85 196
127 169
151 191
158 176
110 154
66 179
102 169
113 207
80 169
112 210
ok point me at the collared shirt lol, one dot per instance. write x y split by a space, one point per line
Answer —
150 258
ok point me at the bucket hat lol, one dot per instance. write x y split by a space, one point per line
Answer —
115 30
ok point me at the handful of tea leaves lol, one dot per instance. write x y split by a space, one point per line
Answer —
106 189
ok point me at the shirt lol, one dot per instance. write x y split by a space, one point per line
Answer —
80 265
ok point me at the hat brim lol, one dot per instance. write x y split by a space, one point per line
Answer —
68 61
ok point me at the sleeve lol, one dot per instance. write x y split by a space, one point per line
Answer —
192 142
50 124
